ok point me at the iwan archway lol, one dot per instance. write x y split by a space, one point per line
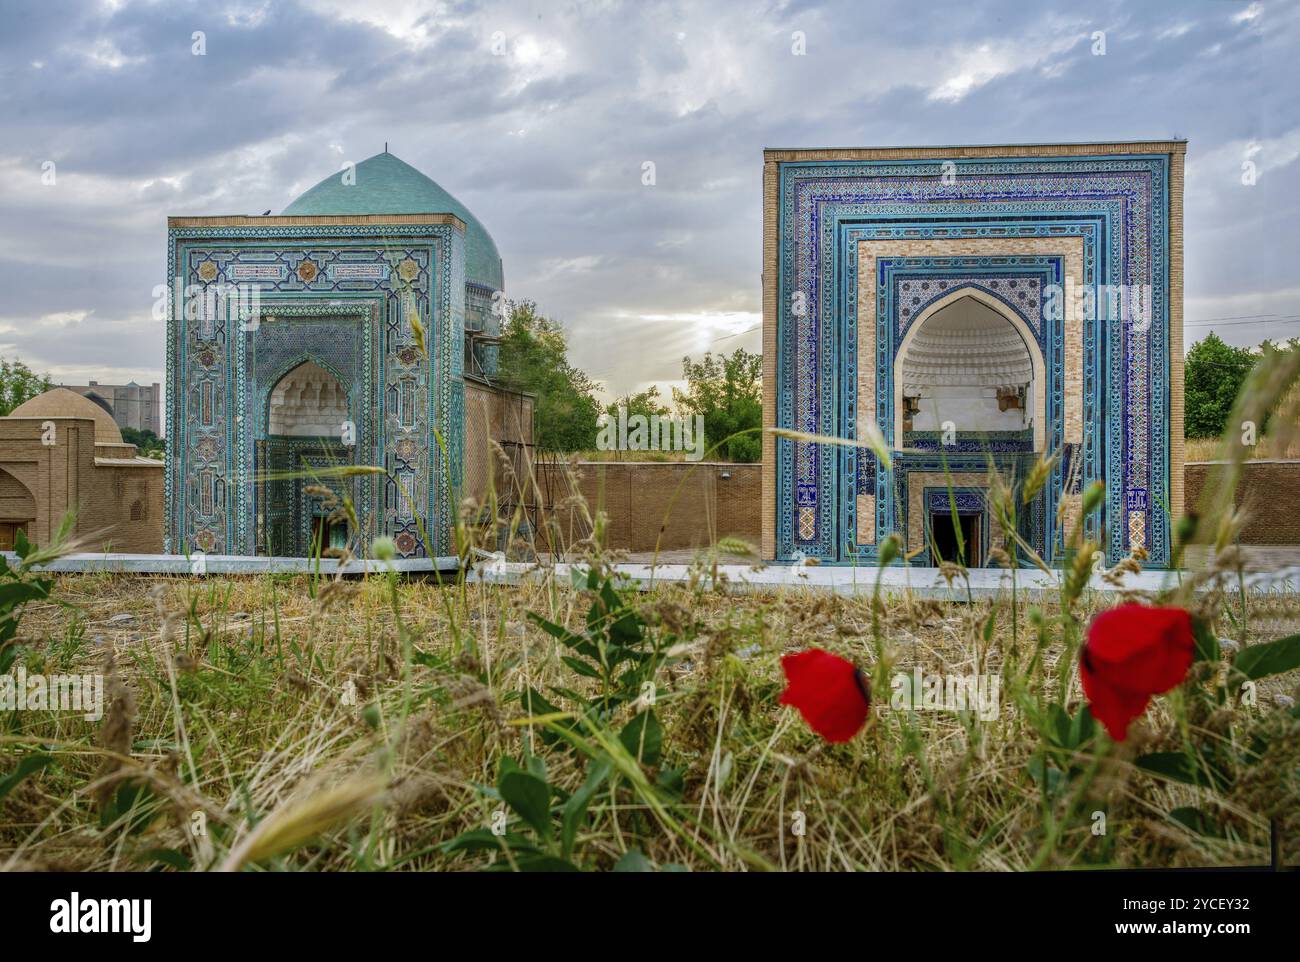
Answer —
17 509
340 277
969 368
968 376
960 303
309 429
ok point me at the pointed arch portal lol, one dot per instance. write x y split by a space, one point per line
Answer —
948 313
968 364
308 428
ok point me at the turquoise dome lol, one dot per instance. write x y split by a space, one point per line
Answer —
387 185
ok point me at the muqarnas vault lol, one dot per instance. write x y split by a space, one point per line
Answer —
981 307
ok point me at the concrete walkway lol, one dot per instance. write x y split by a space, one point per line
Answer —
1032 584
225 564
494 569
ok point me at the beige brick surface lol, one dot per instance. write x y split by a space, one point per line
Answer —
1268 492
637 497
674 505
118 501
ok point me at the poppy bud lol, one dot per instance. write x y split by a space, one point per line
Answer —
889 549
1092 496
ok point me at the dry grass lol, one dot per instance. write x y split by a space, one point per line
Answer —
1211 449
241 724
295 723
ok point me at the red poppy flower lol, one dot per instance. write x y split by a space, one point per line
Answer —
1133 652
830 693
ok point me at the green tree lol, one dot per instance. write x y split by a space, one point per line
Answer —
646 403
1214 376
147 443
728 391
534 357
19 383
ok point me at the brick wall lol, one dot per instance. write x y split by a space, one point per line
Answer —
678 504
636 496
1269 491
493 415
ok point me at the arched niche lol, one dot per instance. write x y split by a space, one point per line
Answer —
17 509
307 401
970 360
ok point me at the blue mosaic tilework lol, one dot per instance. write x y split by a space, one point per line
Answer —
348 310
1117 203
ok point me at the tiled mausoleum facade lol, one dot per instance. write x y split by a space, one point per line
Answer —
352 354
978 306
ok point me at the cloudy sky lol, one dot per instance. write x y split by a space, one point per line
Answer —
539 116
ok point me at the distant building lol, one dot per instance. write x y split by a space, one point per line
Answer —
132 405
61 451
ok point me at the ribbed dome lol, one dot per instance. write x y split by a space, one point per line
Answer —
966 344
62 403
386 184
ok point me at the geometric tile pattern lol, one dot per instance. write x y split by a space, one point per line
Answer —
1118 205
338 291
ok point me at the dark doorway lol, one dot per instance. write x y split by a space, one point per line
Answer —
9 531
944 533
327 534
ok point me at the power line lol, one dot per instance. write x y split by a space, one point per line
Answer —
726 337
1235 317
1226 322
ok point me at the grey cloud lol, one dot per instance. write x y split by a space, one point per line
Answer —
548 151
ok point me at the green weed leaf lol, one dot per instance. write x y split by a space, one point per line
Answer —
530 797
1269 658
27 765
643 737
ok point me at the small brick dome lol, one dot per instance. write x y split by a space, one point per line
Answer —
62 403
